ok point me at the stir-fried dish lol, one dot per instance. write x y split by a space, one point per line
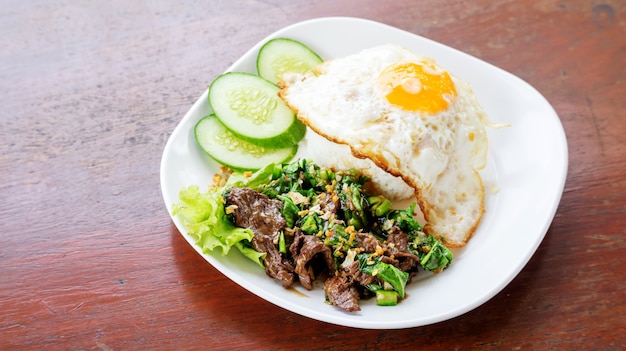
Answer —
303 223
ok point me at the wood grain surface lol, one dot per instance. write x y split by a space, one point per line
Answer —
91 90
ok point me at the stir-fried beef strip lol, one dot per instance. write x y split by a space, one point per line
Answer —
311 256
398 247
397 240
255 211
354 274
342 293
277 266
367 242
408 262
263 217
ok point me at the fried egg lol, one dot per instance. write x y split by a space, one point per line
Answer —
412 119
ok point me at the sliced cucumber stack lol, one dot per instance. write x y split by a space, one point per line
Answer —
233 152
282 55
250 108
251 126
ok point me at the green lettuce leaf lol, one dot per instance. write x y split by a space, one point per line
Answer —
203 216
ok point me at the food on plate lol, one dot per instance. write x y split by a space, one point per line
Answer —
249 107
304 223
234 152
412 119
385 124
281 55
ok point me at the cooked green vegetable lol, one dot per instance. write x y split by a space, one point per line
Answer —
386 272
380 205
282 243
331 205
290 210
434 256
311 223
386 297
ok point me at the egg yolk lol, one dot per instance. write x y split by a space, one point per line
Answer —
417 86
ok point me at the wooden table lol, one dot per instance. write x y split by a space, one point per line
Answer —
90 92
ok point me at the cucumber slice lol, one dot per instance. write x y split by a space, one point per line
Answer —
250 108
281 55
231 151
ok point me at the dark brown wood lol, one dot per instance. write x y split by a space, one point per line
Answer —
90 92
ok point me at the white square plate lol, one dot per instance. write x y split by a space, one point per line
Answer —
527 166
